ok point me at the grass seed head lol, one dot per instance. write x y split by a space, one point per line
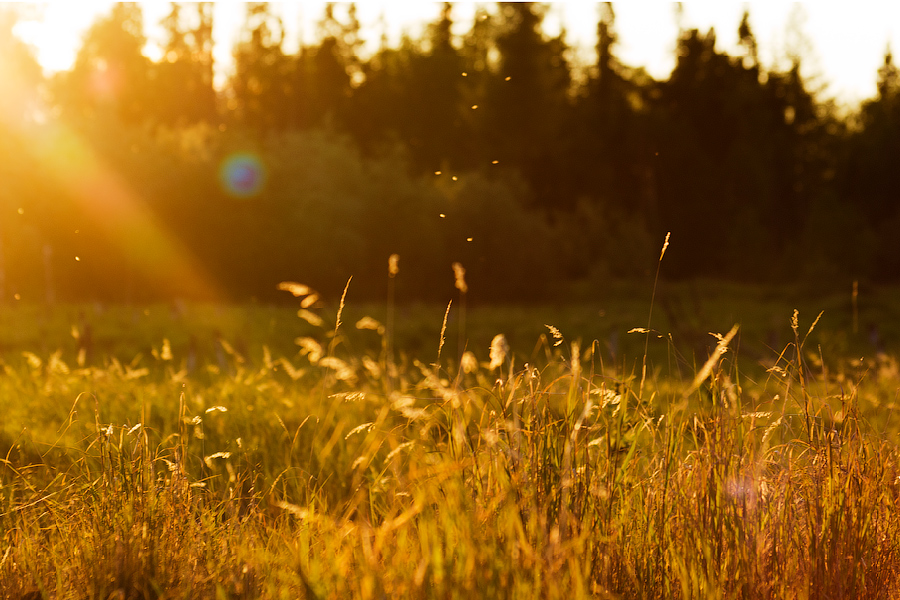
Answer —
557 336
342 370
370 324
311 348
311 318
309 301
459 273
469 363
297 289
393 265
499 351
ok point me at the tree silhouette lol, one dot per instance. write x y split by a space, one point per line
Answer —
527 99
612 154
111 74
261 86
869 177
546 169
182 85
413 94
322 73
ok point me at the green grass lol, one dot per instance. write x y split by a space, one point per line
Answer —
249 470
684 311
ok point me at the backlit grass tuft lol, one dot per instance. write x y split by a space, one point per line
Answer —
340 472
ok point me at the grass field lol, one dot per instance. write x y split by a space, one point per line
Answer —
192 451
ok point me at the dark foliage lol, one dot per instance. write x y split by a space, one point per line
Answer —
555 174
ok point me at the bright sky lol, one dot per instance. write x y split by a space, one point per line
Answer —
845 42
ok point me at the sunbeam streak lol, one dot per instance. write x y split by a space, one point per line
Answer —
121 214
111 207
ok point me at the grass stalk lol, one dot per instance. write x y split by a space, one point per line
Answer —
650 316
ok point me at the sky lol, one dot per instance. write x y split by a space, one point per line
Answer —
844 43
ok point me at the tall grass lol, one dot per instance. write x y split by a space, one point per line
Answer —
314 476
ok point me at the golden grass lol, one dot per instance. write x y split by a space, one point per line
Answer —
313 476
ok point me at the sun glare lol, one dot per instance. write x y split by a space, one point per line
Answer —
121 214
646 37
57 29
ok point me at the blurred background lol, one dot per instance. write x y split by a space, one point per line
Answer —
151 168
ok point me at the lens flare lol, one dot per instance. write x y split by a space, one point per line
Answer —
242 175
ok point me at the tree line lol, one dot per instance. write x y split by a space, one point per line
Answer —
493 148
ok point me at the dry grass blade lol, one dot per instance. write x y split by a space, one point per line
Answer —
811 327
337 321
443 331
704 372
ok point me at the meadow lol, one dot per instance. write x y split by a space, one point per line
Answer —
342 450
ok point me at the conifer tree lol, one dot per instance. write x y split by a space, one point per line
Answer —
182 88
111 74
260 87
413 94
868 175
322 72
527 100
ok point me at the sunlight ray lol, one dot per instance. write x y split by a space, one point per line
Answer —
121 214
